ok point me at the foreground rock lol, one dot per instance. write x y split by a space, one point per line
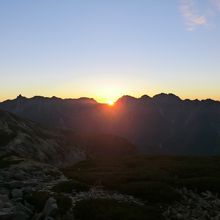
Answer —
19 181
205 205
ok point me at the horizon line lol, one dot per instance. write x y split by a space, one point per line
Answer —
101 102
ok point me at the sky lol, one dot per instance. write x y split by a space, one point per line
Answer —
108 48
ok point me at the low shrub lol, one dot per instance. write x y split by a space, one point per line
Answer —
64 203
37 199
202 184
151 191
70 185
107 209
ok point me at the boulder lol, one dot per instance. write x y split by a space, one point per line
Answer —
50 209
16 193
4 199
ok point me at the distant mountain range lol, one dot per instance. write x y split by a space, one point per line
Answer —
162 124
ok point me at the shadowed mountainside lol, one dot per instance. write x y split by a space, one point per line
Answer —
21 138
30 160
161 124
24 139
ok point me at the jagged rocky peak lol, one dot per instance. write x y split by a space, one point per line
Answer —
166 98
85 100
43 99
210 102
39 97
20 97
127 99
82 100
145 98
55 98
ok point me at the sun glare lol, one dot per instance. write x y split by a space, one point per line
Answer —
110 103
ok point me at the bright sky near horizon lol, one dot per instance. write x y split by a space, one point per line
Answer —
108 48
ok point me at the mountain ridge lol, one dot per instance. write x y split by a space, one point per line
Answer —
161 124
145 96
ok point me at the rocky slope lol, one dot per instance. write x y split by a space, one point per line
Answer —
24 139
31 157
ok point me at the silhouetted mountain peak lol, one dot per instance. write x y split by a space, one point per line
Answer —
86 100
210 102
126 99
55 98
39 98
20 97
145 98
165 98
82 100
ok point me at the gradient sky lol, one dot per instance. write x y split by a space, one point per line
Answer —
108 48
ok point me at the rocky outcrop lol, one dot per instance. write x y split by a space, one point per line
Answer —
29 160
25 139
194 206
19 181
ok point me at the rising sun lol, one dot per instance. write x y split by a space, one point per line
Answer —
110 103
